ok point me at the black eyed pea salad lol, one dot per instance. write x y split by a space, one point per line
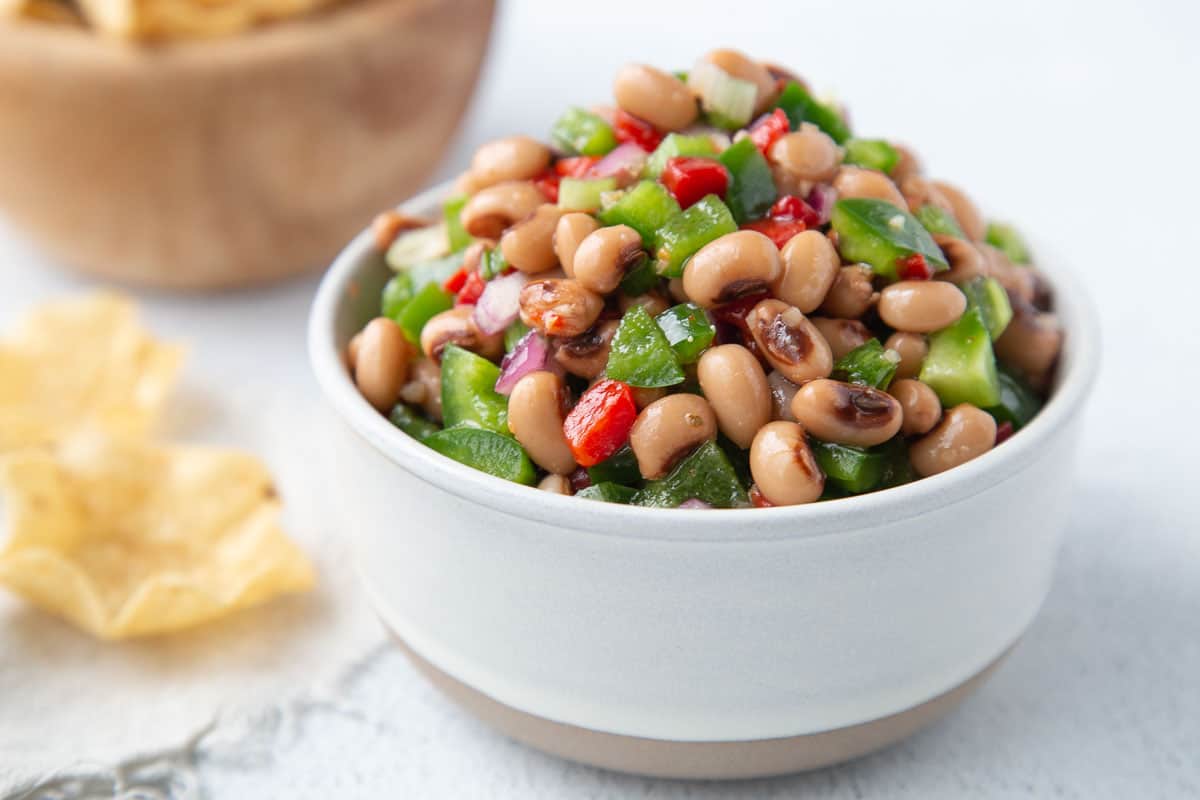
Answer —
710 294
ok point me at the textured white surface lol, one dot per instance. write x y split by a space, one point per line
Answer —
1079 124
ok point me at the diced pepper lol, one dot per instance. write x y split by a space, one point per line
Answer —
621 467
868 364
599 423
607 492
575 166
629 128
580 132
1004 432
583 194
485 451
800 106
1008 241
779 231
751 188
689 179
514 333
988 296
412 423
852 468
455 282
674 146
640 354
792 207
425 304
688 330
938 220
768 129
705 474
872 154
914 268
878 233
396 294
646 208
469 396
897 468
456 235
960 365
1018 402
437 271
640 278
471 291
547 184
688 231
492 263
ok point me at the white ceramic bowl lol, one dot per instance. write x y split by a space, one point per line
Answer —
699 643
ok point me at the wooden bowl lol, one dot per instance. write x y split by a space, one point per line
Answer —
229 162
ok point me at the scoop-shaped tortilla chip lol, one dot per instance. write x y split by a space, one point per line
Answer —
183 19
82 364
126 539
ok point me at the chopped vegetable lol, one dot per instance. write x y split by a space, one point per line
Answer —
779 231
623 165
751 189
418 246
868 364
640 354
456 235
629 128
583 194
852 468
676 145
768 128
960 365
879 234
599 423
705 475
513 334
530 354
580 132
492 263
469 396
485 451
607 492
396 294
472 289
1008 241
728 101
645 208
688 231
989 297
688 330
1018 402
800 107
621 467
499 304
639 278
576 166
871 153
425 304
689 179
412 423
938 220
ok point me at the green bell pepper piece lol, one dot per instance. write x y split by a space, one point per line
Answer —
1008 241
437 271
621 467
455 233
688 231
639 278
868 365
987 295
751 187
800 106
583 194
608 492
425 304
492 263
645 208
1018 404
675 145
688 329
514 333
960 365
872 154
851 468
878 233
469 396
485 451
396 294
640 354
705 474
938 220
412 423
580 132
897 468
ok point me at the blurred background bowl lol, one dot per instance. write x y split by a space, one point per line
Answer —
229 162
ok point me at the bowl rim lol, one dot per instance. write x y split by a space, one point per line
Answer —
1077 373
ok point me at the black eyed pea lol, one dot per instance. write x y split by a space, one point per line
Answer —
922 409
381 362
847 413
529 244
854 181
783 466
964 433
791 343
782 392
730 266
604 255
653 302
912 349
965 260
556 484
908 165
741 66
490 211
656 96
514 158
535 417
1031 343
919 192
807 154
677 292
586 355
457 326
809 264
560 307
921 306
842 335
965 212
1019 281
668 429
352 351
852 293
572 228
736 388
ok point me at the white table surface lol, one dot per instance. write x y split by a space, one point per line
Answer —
1078 122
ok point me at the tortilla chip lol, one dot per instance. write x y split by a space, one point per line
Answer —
126 539
54 11
78 365
186 19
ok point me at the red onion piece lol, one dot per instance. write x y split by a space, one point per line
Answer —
530 355
623 163
694 502
821 198
499 304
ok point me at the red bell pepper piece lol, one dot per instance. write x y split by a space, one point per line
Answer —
629 128
600 422
456 281
768 128
691 179
1003 431
575 166
915 268
792 207
470 291
548 184
778 231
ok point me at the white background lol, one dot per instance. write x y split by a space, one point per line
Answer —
1078 121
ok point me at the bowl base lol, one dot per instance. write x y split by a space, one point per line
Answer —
730 760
